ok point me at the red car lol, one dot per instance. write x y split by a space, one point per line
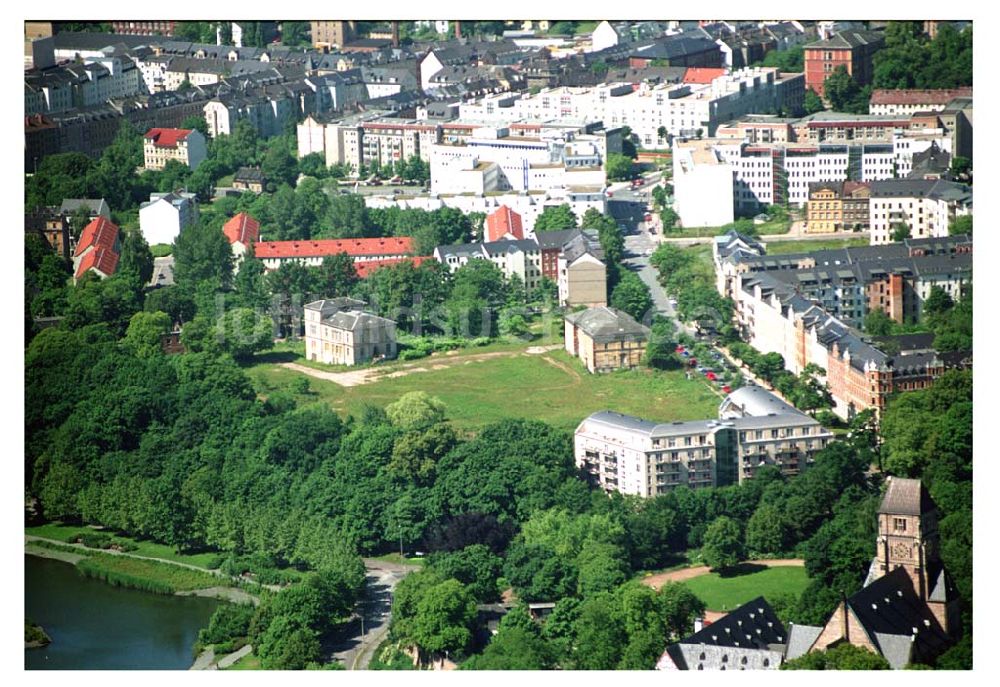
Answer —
692 362
726 389
710 376
679 349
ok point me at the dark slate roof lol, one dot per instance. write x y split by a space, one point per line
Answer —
249 174
930 161
897 621
906 497
356 319
849 39
908 342
580 245
604 325
510 246
328 306
922 188
672 47
754 625
72 40
555 239
800 639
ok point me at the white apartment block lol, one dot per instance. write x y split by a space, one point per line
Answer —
166 215
186 146
59 89
362 140
764 174
683 110
927 207
639 457
522 258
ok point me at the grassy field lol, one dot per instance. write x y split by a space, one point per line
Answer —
774 226
726 593
248 662
148 575
779 247
553 387
143 548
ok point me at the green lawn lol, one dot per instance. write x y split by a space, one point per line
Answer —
143 548
774 226
779 247
148 575
726 593
553 387
248 662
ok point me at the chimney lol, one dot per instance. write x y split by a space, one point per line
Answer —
395 33
698 624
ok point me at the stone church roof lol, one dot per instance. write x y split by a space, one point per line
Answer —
906 497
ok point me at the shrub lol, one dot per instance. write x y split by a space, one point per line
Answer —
481 341
95 540
413 354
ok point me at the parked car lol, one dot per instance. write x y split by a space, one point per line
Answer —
726 389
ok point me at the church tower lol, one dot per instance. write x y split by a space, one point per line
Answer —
908 538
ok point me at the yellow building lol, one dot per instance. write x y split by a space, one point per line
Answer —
605 339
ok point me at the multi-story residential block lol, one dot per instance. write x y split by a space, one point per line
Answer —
605 339
693 48
97 250
583 278
848 283
327 35
340 332
774 317
54 222
927 207
145 28
520 257
911 101
186 146
64 87
363 139
166 215
851 49
682 110
763 174
837 206
311 253
634 456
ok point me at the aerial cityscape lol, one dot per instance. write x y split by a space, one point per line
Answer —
498 345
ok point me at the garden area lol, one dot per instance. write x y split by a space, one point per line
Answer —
731 589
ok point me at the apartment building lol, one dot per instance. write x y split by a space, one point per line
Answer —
366 138
502 223
521 257
837 206
634 456
186 146
339 331
763 174
583 278
681 109
848 283
166 215
774 316
903 101
926 206
850 49
242 231
605 339
64 87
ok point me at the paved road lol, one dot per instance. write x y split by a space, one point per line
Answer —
352 646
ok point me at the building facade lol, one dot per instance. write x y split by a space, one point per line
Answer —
605 339
926 207
166 215
340 332
186 146
850 49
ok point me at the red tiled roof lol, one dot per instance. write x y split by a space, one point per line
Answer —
702 75
243 228
100 233
394 245
913 96
102 259
167 138
366 267
503 221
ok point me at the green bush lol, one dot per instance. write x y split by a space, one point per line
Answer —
413 354
481 341
96 540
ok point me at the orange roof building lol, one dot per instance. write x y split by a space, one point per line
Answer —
311 253
242 228
501 222
98 249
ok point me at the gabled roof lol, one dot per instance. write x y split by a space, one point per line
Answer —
100 233
243 228
167 138
503 221
328 306
897 621
849 39
915 96
354 320
96 206
101 259
321 248
745 637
